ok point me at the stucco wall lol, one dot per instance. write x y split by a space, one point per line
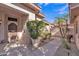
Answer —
3 27
30 12
39 19
76 35
31 16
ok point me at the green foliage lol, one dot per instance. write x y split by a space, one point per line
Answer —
44 33
60 20
31 25
36 28
63 29
65 44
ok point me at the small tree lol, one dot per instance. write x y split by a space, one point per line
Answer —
63 27
37 29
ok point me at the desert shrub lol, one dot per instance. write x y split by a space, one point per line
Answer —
37 28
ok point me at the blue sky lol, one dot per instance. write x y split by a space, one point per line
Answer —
52 10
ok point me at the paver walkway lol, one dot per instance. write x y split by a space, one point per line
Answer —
48 49
52 48
64 52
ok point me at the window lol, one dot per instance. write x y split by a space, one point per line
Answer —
12 19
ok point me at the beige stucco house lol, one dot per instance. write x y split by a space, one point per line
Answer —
13 18
74 19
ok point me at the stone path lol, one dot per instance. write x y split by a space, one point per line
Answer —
52 48
64 52
48 49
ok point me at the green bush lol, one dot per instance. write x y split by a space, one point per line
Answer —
36 28
31 25
65 44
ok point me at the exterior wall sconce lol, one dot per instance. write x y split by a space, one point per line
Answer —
0 20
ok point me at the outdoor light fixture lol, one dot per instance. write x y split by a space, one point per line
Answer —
0 20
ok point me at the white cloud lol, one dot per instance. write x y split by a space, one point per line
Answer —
62 10
41 3
44 4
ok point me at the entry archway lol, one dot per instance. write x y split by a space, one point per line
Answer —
12 31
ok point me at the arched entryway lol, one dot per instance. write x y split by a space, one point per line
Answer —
12 30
